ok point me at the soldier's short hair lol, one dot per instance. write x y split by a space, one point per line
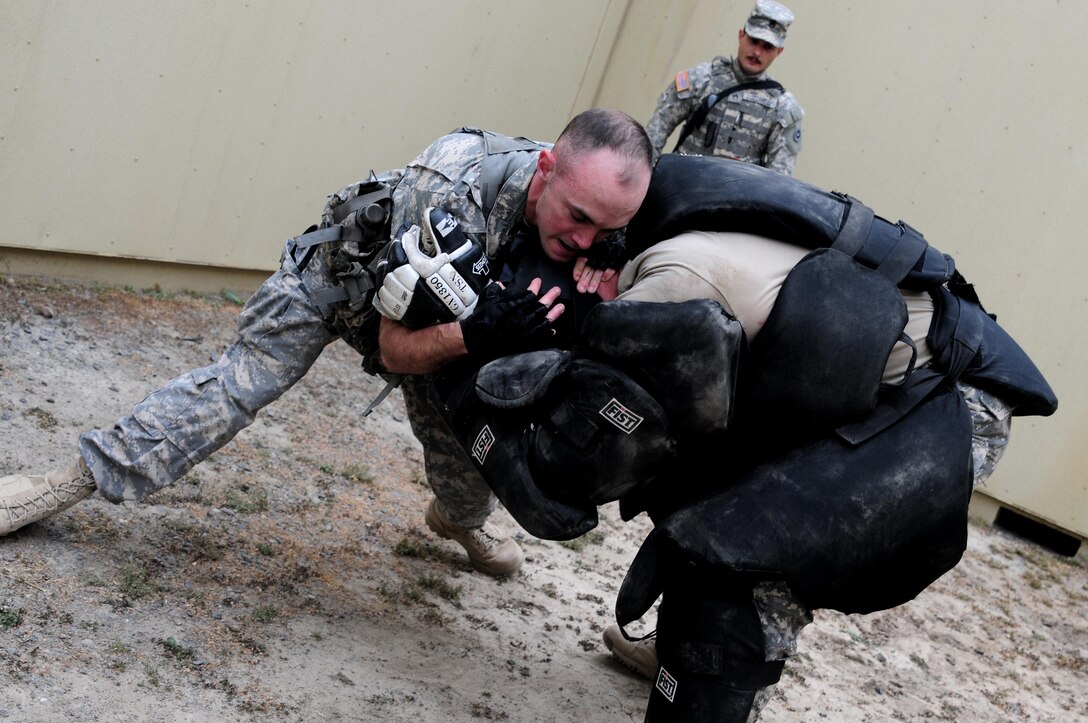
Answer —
600 128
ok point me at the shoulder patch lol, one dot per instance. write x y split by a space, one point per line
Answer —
683 82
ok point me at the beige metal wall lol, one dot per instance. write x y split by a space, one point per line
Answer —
967 121
206 132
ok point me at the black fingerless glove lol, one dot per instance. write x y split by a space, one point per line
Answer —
506 321
611 253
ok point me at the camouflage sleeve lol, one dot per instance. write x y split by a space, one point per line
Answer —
676 103
784 143
444 175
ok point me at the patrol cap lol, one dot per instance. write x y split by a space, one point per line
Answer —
769 21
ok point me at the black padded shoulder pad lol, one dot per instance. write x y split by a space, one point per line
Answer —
708 193
518 381
718 194
818 361
685 354
998 363
555 435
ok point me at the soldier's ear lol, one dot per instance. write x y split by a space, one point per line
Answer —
545 163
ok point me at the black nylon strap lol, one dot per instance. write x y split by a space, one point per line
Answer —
326 297
893 406
900 259
320 236
964 345
904 255
696 119
905 338
855 230
346 208
307 241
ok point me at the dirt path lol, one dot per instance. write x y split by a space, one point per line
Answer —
290 578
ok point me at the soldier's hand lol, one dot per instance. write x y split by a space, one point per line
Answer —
601 263
511 321
590 279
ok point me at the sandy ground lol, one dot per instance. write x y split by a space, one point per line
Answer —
290 577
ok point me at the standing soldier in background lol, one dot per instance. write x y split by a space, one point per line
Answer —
730 106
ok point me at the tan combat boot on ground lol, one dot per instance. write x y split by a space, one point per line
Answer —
638 655
29 498
489 554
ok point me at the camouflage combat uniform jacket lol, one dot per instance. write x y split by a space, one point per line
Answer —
283 329
480 177
483 180
760 126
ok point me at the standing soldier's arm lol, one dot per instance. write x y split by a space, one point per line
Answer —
676 103
784 142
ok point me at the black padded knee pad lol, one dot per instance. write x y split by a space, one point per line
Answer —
711 649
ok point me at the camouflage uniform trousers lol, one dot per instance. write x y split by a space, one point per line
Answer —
280 335
991 423
463 494
783 616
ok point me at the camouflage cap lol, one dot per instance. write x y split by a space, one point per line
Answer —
769 21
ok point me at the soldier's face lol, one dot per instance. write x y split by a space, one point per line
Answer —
576 202
755 55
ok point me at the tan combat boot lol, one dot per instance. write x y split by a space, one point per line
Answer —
29 498
638 655
489 554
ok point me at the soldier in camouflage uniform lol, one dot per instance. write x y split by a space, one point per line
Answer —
544 189
751 118
303 307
